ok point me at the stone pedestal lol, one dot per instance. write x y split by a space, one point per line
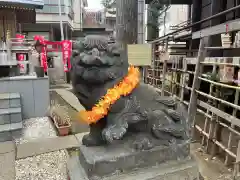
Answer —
34 93
121 161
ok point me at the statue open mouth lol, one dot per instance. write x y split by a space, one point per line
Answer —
93 70
96 61
96 74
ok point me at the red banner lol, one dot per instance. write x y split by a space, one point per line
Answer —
67 52
43 53
20 57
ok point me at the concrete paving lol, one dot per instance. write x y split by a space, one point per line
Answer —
210 169
70 98
7 161
7 146
9 152
34 148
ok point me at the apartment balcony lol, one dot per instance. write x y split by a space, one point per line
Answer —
172 1
90 25
50 13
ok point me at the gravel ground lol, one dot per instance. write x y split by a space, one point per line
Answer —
35 128
49 166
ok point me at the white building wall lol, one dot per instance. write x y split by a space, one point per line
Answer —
77 8
175 15
52 18
51 13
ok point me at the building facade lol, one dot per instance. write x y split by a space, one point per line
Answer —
94 22
15 13
93 19
111 21
48 19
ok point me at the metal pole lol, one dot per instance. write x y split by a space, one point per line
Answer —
60 16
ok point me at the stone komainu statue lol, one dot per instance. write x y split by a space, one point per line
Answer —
98 68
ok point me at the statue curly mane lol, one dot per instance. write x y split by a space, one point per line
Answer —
96 66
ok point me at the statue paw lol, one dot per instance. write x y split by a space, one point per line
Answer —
90 140
143 144
113 133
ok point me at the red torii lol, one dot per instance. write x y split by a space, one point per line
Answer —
66 47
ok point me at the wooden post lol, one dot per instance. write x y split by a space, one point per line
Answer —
217 126
232 126
174 90
164 70
192 109
183 80
236 165
9 50
153 62
211 127
178 77
171 81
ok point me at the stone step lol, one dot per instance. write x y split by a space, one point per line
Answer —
6 131
10 100
10 127
9 95
10 116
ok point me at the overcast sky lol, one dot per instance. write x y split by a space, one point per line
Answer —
94 4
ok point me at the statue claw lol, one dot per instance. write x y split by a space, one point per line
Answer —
142 144
113 133
90 140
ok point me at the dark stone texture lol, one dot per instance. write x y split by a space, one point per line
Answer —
121 157
98 66
185 169
141 130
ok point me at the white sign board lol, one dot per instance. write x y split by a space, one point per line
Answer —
140 54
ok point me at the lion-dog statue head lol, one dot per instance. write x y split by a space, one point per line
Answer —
96 67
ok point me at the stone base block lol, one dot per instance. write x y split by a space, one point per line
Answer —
172 170
122 158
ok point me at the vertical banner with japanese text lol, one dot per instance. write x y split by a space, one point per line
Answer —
43 53
67 52
20 57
